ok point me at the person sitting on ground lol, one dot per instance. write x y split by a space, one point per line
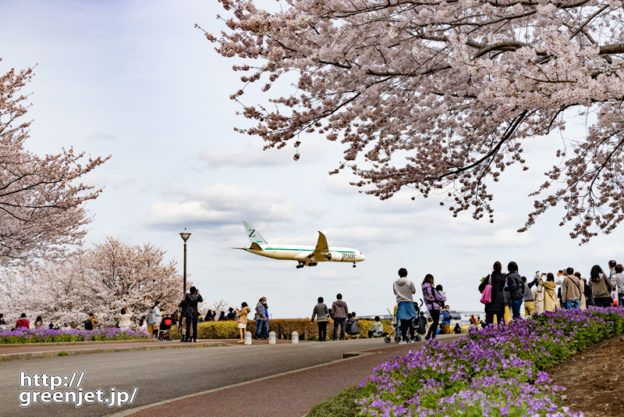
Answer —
66 326
2 322
445 327
353 326
457 329
376 330
38 322
22 322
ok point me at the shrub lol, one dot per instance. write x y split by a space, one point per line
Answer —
283 329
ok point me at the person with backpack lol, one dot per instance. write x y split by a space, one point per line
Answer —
322 313
353 326
91 322
191 312
404 291
601 287
434 302
516 289
496 307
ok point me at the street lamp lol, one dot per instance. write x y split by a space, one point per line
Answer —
184 235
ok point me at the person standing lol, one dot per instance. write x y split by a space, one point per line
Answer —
321 312
242 320
529 298
261 318
601 287
612 280
496 308
404 291
538 294
191 312
571 290
265 331
551 301
516 289
153 319
125 319
619 279
434 302
339 312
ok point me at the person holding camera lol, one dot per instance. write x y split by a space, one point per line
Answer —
551 301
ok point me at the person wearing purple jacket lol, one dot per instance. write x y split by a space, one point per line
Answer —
434 302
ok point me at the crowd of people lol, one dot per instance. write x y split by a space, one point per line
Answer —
568 289
503 293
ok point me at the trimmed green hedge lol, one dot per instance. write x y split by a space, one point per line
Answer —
283 329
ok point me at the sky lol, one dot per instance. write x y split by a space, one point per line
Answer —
137 81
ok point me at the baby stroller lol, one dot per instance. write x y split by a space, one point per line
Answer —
165 326
419 322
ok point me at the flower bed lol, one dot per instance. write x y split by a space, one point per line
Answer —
22 335
495 371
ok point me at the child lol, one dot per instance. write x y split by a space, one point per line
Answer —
376 330
440 290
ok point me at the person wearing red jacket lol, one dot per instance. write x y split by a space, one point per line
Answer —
22 322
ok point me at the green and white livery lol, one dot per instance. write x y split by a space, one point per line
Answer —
304 255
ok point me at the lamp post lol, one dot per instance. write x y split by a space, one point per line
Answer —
184 235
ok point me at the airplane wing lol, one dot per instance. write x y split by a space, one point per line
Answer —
322 249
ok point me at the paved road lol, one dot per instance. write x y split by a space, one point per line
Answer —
164 374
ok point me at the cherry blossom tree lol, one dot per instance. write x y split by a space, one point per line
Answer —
41 197
101 280
440 96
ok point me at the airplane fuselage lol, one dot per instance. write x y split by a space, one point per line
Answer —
302 254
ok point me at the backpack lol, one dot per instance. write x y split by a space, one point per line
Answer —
88 324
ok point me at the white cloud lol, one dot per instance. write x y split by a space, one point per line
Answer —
222 204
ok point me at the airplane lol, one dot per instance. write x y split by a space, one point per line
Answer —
304 255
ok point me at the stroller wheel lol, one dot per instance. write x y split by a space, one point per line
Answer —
397 339
387 339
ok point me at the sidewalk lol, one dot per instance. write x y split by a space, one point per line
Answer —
43 350
289 394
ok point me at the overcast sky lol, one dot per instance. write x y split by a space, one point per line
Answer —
136 80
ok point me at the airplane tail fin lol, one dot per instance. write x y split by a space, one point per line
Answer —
254 237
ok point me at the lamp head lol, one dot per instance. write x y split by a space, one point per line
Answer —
185 235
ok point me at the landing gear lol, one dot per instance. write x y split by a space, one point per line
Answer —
354 264
300 265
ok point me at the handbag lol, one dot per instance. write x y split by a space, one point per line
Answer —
486 297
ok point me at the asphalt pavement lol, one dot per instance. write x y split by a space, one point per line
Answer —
157 375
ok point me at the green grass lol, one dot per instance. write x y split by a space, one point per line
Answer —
63 353
342 405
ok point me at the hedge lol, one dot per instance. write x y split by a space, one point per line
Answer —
283 329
